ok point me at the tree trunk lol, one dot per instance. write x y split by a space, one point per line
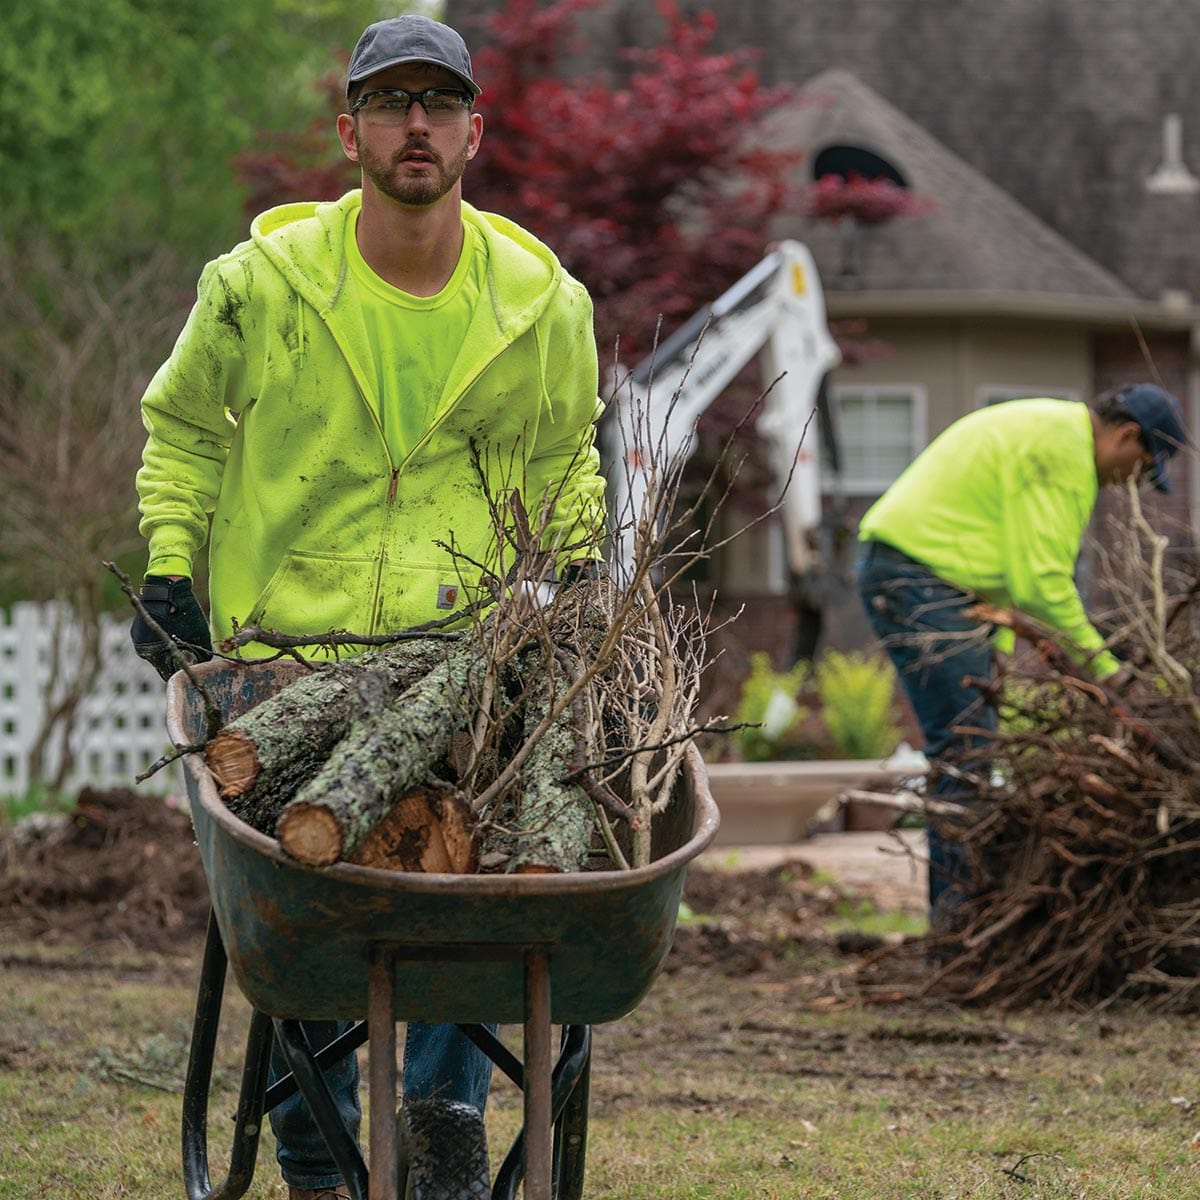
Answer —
260 760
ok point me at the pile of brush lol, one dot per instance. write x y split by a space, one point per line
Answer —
544 737
1085 849
1085 838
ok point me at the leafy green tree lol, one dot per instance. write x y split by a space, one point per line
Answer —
120 119
120 124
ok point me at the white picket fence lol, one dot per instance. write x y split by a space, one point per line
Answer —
121 726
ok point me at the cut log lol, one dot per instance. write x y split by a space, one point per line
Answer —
554 822
383 756
260 760
431 828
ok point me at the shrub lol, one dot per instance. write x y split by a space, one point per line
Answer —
841 708
769 708
857 694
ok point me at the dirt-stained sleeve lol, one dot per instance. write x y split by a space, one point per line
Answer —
189 411
564 467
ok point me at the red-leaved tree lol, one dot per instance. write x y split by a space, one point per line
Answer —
866 201
650 188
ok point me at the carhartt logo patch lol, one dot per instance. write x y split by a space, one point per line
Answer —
447 595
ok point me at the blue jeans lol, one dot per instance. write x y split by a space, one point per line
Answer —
439 1061
923 624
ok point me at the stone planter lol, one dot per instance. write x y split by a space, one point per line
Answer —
773 803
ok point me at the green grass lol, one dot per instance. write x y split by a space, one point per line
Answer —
861 916
34 799
715 1087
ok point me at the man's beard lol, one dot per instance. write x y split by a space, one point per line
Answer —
420 190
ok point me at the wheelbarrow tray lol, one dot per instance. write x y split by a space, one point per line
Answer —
301 940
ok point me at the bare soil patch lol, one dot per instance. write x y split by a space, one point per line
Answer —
122 867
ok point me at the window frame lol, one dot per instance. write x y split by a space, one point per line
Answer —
918 396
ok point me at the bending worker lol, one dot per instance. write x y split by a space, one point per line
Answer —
345 375
995 508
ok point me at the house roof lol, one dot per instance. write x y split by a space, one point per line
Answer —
1061 103
976 239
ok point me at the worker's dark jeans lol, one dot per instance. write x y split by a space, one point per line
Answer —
439 1061
922 623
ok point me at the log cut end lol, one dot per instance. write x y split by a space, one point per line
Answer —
310 834
233 761
431 828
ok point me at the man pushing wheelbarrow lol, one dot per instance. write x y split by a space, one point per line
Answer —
320 425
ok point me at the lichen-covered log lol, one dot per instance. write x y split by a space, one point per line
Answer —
382 756
554 822
261 759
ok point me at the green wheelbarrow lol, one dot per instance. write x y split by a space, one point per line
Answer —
377 947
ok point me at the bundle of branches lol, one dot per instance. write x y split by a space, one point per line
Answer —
1084 836
518 746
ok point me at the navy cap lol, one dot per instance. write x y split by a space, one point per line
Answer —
1161 421
407 39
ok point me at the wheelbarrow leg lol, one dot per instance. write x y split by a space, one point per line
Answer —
381 1078
342 1147
569 1096
251 1103
538 1115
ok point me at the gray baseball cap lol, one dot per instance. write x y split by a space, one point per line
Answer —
409 39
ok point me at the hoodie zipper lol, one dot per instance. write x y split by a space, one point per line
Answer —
394 478
437 424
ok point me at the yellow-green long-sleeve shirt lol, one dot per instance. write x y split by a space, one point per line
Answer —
998 505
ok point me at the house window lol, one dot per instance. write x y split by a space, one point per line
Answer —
880 431
990 394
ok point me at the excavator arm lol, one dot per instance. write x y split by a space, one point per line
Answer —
775 311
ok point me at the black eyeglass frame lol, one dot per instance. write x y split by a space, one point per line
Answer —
466 100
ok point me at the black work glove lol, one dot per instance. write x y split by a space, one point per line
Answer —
172 604
578 572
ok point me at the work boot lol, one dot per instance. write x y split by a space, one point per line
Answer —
339 1191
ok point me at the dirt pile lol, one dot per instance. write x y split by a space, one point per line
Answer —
124 867
121 867
738 922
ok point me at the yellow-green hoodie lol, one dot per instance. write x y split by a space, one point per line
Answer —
264 421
